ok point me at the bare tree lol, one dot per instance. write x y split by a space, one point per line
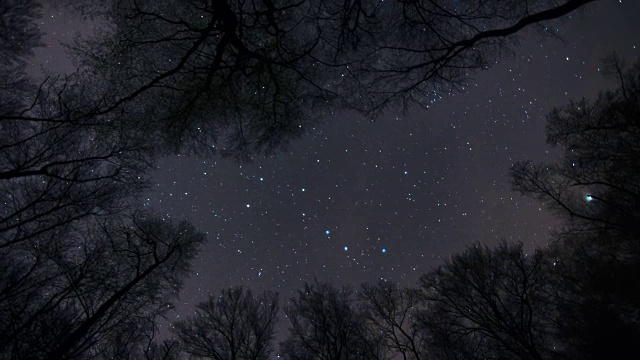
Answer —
233 325
82 273
595 188
54 175
394 313
327 324
490 302
58 164
140 340
72 295
77 264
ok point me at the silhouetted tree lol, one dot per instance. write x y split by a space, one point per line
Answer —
489 303
327 324
235 325
72 296
81 271
56 166
19 34
84 275
139 340
394 313
243 77
595 188
596 306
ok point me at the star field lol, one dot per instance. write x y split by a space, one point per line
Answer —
355 200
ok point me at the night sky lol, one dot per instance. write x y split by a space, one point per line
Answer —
355 201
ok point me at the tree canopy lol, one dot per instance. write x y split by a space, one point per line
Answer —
85 272
245 77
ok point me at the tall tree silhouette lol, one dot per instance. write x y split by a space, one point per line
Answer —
595 188
394 313
489 303
71 295
326 323
79 265
235 325
57 164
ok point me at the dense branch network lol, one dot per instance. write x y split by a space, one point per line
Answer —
85 273
244 77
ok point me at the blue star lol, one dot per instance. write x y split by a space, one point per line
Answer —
384 250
